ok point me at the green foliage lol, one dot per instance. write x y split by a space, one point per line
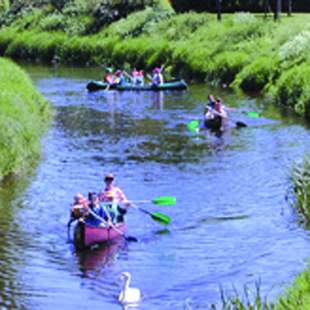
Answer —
182 26
298 46
138 23
292 89
7 35
297 296
247 300
301 188
23 116
52 22
4 5
226 65
256 75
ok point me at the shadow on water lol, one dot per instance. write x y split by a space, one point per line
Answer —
13 241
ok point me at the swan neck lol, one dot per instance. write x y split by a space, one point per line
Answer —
126 283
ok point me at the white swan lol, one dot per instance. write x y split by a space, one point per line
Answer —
128 295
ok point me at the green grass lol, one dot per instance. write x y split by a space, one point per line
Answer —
301 189
23 116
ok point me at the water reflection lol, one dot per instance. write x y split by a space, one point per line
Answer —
158 100
99 256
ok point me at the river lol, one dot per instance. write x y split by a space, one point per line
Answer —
231 225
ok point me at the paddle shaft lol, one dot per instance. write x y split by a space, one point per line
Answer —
156 216
129 238
238 123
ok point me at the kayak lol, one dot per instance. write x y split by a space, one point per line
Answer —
86 235
214 123
169 85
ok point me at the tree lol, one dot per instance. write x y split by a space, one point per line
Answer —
219 9
266 7
289 7
277 9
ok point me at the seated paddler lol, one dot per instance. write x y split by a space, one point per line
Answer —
114 200
79 208
97 215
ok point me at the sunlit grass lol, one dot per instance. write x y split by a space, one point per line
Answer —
23 116
301 188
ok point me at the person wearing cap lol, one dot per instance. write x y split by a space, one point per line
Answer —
114 199
157 78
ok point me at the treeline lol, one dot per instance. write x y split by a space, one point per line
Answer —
230 6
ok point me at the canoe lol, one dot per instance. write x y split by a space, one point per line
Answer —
169 85
214 124
86 235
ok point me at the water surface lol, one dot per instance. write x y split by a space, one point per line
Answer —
231 225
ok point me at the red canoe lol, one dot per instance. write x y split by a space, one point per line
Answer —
86 235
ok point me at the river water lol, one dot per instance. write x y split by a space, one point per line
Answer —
231 225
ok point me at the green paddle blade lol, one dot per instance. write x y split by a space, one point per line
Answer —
193 126
252 114
161 218
164 201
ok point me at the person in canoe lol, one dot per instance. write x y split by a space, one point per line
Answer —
157 78
79 208
119 78
109 77
215 114
114 199
140 78
97 215
134 76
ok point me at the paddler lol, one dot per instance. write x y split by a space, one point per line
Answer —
114 199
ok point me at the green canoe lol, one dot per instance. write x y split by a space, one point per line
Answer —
169 85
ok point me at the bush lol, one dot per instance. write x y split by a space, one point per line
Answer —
301 188
23 116
227 65
53 22
298 46
255 76
293 90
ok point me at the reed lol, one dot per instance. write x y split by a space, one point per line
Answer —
301 188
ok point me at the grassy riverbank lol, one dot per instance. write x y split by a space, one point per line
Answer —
23 116
244 51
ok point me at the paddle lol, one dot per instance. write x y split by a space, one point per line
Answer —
156 216
127 238
161 201
251 114
193 126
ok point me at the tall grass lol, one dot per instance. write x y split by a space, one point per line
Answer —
297 295
23 116
247 300
301 188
